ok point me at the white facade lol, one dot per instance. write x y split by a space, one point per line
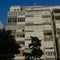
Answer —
34 21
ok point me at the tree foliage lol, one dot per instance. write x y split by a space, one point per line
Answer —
36 51
8 45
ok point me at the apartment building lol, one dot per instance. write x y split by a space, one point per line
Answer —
26 21
33 26
16 23
56 13
49 49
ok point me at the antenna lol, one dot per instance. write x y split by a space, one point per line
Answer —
34 2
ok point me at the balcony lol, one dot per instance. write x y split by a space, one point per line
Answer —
49 53
49 44
57 21
46 20
56 14
47 27
48 37
57 10
46 13
20 39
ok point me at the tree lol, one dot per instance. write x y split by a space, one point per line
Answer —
35 45
8 45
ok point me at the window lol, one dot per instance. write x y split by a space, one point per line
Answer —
21 13
21 19
57 17
14 9
31 15
20 34
20 26
28 23
50 53
46 16
48 35
14 20
9 20
13 13
29 31
57 10
17 9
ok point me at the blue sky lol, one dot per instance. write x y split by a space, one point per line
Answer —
5 5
